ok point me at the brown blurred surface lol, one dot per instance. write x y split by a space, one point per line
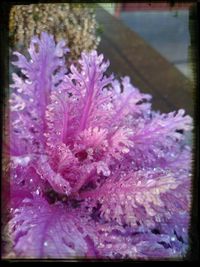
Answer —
130 55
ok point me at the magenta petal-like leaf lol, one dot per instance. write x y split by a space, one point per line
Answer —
40 230
30 95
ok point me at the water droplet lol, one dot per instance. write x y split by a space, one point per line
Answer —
45 243
174 251
101 245
109 246
129 197
19 90
173 238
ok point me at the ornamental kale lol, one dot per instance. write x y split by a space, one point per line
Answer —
94 172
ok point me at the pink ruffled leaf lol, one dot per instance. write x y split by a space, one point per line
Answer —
139 197
40 230
30 95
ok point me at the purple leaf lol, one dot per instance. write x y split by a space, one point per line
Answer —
43 231
30 95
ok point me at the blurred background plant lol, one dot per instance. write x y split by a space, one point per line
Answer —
75 23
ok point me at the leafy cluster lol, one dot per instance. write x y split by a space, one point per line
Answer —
94 172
